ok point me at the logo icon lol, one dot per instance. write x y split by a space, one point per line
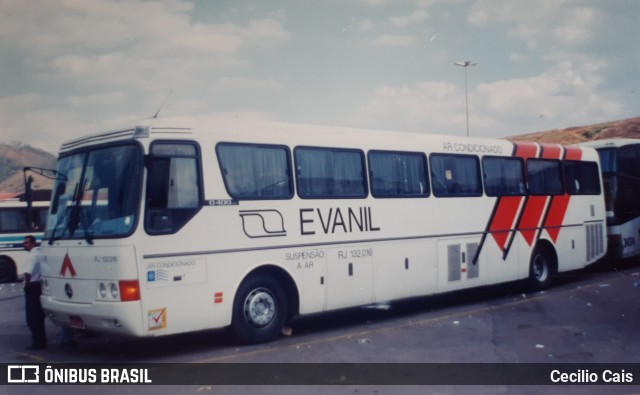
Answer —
262 223
23 374
66 265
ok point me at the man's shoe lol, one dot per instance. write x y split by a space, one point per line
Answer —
36 346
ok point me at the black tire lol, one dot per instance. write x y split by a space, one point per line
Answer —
541 269
259 310
7 271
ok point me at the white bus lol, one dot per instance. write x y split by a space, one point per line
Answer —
18 220
184 225
620 165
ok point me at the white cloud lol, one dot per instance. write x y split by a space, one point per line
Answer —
391 40
97 41
44 127
242 82
19 102
364 25
545 24
416 16
93 62
566 94
97 99
427 106
47 27
266 32
82 56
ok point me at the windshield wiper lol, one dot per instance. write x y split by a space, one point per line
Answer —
66 212
63 215
74 212
75 217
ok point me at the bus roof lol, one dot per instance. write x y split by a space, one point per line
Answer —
610 143
261 131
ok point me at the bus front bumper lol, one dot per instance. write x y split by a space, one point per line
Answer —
122 318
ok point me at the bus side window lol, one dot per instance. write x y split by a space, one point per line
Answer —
330 173
14 220
398 174
9 220
255 171
581 178
503 176
455 175
544 176
173 186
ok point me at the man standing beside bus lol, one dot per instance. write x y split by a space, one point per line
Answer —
32 292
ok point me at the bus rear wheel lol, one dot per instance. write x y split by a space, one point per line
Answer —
541 269
7 271
259 310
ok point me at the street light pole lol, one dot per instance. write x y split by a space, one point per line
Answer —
466 64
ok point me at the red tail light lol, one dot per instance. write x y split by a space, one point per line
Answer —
129 290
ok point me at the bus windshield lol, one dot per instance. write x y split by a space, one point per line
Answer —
96 193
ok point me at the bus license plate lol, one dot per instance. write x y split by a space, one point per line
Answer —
76 322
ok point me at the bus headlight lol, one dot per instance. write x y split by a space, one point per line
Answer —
108 291
118 291
113 289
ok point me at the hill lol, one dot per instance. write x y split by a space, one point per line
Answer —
628 128
14 157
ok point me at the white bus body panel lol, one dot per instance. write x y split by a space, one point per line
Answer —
338 253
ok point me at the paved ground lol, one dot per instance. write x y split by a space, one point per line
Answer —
590 316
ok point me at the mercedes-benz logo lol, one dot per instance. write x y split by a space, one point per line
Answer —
68 290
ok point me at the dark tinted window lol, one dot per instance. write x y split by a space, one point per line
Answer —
256 171
330 173
544 177
581 178
398 174
628 160
455 175
503 176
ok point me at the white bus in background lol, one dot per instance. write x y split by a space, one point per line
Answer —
620 166
18 219
180 225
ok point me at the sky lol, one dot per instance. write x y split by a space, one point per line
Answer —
74 67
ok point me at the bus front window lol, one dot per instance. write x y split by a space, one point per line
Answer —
96 194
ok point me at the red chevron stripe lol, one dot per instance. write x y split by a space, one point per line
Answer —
532 214
551 151
530 220
559 204
508 206
502 221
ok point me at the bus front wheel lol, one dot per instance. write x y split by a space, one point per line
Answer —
259 310
541 269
